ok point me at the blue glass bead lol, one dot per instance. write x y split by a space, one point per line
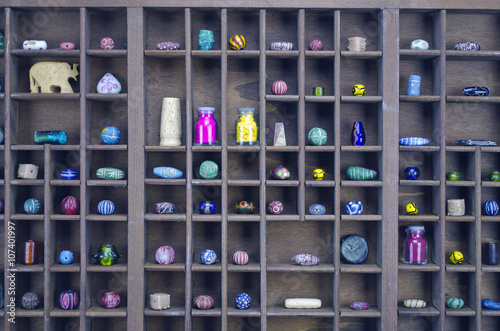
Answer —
317 209
358 134
68 174
106 207
412 173
491 207
110 135
207 207
1 136
414 141
354 207
32 206
208 256
51 137
242 301
167 172
66 257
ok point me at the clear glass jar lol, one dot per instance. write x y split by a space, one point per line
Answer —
206 128
246 128
415 245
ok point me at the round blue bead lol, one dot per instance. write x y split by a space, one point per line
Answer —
106 207
66 257
68 174
31 206
354 207
491 207
207 207
412 173
243 301
208 256
110 135
317 209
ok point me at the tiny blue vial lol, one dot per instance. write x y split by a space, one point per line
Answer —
414 85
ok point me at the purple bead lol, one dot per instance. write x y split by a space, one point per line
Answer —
168 45
68 300
360 305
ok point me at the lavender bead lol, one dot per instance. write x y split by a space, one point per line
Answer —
168 46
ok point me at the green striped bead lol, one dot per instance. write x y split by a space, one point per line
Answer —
455 303
494 176
454 175
359 173
110 173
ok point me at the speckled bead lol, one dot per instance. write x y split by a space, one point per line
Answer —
281 46
165 255
491 208
244 207
414 303
456 207
66 257
110 173
412 173
354 207
164 208
209 169
70 205
317 136
240 257
237 42
494 176
168 46
167 172
414 141
360 173
68 174
280 172
107 43
208 256
106 207
305 259
30 301
32 206
360 305
317 209
110 135
203 302
110 300
279 87
455 303
243 301
467 46
275 207
69 300
316 45
207 207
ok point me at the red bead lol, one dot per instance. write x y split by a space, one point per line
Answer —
70 205
107 43
204 302
165 255
279 87
110 300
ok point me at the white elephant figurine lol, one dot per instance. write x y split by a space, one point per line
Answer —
49 75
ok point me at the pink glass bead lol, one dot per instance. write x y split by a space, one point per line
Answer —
206 128
279 87
316 45
110 300
240 257
165 255
107 43
203 302
70 205
415 246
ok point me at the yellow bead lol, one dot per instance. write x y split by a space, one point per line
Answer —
358 90
456 257
237 42
318 174
411 208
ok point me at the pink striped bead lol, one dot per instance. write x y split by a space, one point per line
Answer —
279 87
240 257
204 302
316 45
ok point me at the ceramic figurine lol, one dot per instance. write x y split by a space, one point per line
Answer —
414 85
305 259
356 44
243 301
170 123
159 301
68 174
415 245
27 171
476 91
358 90
280 172
2 41
358 134
419 44
205 40
279 135
67 45
70 205
411 208
165 255
490 253
51 137
168 46
246 128
414 141
317 136
318 91
110 135
206 128
360 173
467 46
110 173
279 87
107 255
244 207
412 173
30 252
36 45
240 257
318 174
32 206
354 207
281 46
473 142
208 256
414 303
490 304
109 84
491 208
203 302
164 208
106 207
360 305
107 43
30 301
457 257
316 45
69 300
52 76
317 209
237 42
302 303
456 207
110 300
66 257
207 207
354 249
209 169
494 176
455 175
167 172
275 207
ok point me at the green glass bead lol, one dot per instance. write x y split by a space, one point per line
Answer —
317 136
209 170
494 176
454 175
110 173
107 255
359 173
455 303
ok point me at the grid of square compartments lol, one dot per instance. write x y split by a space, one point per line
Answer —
228 79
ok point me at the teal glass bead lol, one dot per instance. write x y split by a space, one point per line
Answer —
360 173
32 206
110 173
51 137
209 169
205 40
317 136
455 302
